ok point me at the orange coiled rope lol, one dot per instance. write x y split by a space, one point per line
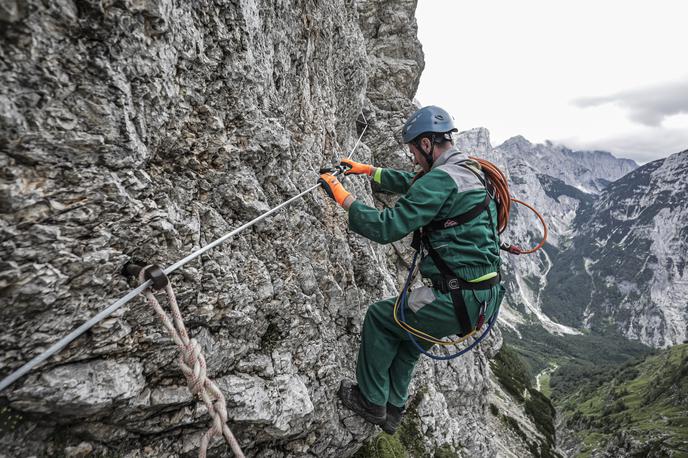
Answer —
504 201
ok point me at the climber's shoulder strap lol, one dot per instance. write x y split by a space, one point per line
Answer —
463 218
471 214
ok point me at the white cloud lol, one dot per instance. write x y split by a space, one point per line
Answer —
649 105
639 145
515 67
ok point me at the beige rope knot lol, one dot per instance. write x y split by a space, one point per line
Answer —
192 364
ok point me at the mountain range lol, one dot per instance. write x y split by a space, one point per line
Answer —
625 264
618 236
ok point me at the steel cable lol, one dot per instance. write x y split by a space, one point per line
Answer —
62 343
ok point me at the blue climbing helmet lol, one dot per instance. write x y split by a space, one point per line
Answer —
430 119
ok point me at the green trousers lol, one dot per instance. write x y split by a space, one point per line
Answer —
387 356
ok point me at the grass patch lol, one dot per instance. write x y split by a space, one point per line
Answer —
445 451
511 372
540 409
10 420
591 442
409 431
382 446
648 400
513 376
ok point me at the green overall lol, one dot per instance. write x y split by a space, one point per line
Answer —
387 356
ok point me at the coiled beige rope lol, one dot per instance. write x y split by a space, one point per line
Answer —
192 363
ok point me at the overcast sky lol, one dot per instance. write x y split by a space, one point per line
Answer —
605 74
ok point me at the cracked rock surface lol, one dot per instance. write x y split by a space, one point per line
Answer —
144 130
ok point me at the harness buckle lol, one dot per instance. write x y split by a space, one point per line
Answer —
453 284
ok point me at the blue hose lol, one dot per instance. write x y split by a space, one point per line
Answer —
402 303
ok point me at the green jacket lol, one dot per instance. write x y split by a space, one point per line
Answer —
471 250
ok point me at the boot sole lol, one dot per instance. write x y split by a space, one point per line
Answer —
388 429
361 413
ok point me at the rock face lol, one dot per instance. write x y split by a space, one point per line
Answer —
81 388
147 129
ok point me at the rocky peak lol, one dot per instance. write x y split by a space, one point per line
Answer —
516 144
476 141
589 171
673 173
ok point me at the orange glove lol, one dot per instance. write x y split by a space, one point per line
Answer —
356 168
333 188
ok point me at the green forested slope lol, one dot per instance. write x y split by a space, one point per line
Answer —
638 409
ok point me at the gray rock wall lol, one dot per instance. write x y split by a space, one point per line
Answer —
147 129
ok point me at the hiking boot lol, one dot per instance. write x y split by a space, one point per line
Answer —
393 420
353 399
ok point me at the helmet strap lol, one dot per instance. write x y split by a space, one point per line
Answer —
419 147
428 156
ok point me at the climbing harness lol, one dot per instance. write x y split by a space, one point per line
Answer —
400 319
496 188
191 359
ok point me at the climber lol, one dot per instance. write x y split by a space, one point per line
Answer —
449 186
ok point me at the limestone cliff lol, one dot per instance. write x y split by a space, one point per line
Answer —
145 129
